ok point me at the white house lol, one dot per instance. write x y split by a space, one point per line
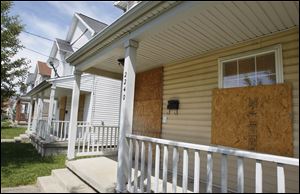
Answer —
99 96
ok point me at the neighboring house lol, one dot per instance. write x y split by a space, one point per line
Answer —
187 68
99 96
22 103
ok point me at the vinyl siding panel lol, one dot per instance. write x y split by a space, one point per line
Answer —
192 82
106 101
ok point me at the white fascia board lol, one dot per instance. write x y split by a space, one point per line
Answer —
72 28
65 78
85 24
53 51
110 30
37 89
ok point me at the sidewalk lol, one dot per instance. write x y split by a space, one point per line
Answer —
21 189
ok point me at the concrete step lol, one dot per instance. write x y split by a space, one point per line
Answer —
100 172
47 184
24 136
18 139
70 182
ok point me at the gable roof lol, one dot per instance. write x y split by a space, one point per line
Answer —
64 45
95 25
43 69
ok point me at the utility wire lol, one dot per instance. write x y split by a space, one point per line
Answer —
38 36
41 53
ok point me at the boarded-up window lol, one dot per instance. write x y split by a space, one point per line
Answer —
249 70
254 118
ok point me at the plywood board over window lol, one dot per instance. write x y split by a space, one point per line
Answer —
148 103
254 118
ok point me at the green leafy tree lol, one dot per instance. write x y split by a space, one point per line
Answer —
13 70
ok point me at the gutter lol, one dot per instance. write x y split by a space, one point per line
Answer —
118 25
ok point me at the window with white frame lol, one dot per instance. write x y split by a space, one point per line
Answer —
259 67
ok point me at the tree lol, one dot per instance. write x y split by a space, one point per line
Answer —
13 71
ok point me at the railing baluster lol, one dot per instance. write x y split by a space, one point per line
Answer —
115 140
84 138
102 141
61 131
136 165
130 165
106 139
240 175
280 178
174 169
197 172
209 173
65 129
149 166
165 169
79 140
157 157
88 139
98 138
224 172
185 170
142 167
94 134
111 139
258 176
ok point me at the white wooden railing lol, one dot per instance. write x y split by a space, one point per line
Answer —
41 128
141 142
96 140
59 130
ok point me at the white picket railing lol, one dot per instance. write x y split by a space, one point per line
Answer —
59 130
141 142
96 140
41 128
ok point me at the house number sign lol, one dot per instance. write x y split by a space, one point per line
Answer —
124 85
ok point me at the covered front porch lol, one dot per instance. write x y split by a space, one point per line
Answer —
188 41
49 127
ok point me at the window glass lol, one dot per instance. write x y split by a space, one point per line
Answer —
247 72
250 71
230 74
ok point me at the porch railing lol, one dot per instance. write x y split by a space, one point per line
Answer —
96 140
59 130
41 128
138 144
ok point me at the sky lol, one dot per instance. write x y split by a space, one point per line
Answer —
51 19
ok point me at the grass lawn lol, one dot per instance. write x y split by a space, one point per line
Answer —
11 132
21 164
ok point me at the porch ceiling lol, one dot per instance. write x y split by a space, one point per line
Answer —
193 28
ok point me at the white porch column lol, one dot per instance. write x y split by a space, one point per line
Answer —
41 107
29 114
35 114
74 115
50 112
126 113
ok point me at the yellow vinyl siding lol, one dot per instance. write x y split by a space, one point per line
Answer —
192 81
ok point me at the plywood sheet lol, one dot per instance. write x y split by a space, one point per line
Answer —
254 118
148 103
